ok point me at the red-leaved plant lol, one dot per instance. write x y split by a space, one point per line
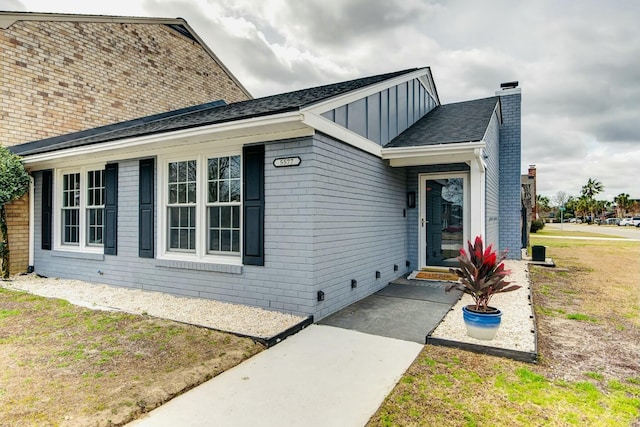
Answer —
481 274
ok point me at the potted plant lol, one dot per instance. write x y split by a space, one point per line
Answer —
481 275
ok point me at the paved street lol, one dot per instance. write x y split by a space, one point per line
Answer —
611 230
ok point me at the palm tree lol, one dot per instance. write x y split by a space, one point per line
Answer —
592 188
623 202
583 205
542 205
589 190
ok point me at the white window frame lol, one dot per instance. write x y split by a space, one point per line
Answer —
82 245
202 229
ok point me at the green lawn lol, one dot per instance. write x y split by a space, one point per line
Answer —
567 233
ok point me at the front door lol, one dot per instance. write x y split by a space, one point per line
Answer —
443 218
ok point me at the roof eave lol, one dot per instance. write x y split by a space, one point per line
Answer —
460 152
233 129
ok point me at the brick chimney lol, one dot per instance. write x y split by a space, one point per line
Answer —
510 153
532 178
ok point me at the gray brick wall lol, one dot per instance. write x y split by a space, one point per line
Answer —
510 153
336 217
358 223
285 282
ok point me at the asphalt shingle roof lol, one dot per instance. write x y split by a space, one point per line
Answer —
206 114
446 124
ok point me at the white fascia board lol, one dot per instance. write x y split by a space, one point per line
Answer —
185 136
341 100
434 154
343 134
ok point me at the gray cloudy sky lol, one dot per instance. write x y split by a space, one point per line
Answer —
578 62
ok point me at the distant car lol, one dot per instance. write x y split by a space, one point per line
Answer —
613 221
634 222
625 221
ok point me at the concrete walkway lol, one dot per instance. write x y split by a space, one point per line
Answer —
322 376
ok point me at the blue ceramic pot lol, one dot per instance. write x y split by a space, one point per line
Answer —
481 326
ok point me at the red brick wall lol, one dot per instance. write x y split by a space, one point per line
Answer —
18 234
62 77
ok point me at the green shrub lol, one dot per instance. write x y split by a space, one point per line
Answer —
536 225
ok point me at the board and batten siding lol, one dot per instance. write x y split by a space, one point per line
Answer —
358 223
284 283
384 115
492 184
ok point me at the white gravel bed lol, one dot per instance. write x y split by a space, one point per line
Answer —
236 318
515 331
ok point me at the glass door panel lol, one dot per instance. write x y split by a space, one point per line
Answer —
443 221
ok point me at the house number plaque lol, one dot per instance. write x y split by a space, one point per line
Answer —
285 162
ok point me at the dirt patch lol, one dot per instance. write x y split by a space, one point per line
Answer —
588 311
70 366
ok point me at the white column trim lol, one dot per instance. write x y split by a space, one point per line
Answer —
32 216
477 199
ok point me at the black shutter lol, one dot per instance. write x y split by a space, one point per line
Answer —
145 209
253 194
47 209
111 209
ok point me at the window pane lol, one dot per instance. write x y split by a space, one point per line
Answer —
173 172
224 168
182 171
235 167
184 217
182 193
192 238
214 240
182 228
225 240
225 217
173 193
191 196
235 241
173 239
192 217
70 225
223 196
213 169
213 192
235 190
214 217
184 239
235 214
191 171
174 217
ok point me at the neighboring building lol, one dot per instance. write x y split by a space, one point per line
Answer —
302 202
529 203
65 73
